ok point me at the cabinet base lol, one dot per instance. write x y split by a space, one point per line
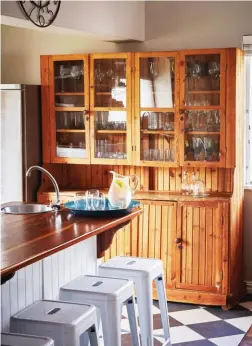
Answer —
200 298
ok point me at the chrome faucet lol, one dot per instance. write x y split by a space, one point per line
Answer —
56 187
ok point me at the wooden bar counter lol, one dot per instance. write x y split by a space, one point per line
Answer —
26 239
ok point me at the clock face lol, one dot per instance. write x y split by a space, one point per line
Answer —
40 13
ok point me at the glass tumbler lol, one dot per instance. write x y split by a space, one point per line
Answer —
99 203
90 197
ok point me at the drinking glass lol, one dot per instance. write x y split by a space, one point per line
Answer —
196 70
80 201
172 155
156 155
99 202
167 154
214 69
146 155
91 196
151 154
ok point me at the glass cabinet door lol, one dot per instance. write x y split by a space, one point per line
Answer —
70 107
156 112
202 107
110 104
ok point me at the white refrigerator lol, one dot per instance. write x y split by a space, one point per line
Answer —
21 142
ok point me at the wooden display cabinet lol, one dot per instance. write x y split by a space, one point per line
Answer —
146 109
199 95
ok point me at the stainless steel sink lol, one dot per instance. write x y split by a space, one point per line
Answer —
27 209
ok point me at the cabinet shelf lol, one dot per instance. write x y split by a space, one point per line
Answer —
69 94
69 109
70 130
203 92
202 132
157 132
104 93
112 131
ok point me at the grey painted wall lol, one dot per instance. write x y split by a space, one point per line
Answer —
173 25
123 19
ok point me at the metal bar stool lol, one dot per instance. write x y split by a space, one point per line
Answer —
107 294
142 271
10 339
63 322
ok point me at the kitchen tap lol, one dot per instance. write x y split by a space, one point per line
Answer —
56 187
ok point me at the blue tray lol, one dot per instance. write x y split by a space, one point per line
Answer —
109 211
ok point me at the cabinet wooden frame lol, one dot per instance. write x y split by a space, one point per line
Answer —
127 109
222 107
139 109
53 108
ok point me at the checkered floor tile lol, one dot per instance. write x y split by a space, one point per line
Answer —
193 325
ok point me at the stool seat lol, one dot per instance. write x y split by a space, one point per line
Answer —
56 312
11 339
136 266
64 322
100 288
107 294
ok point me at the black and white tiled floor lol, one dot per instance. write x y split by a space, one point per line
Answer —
192 325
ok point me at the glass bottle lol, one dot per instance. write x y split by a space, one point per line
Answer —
185 185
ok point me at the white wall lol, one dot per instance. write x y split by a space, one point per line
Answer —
247 237
21 50
121 19
173 25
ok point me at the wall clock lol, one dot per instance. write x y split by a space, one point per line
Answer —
40 13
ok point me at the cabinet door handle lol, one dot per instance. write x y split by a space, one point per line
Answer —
178 240
85 112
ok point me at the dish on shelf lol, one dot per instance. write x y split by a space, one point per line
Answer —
79 209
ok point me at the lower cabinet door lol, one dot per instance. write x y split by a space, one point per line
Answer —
201 246
150 235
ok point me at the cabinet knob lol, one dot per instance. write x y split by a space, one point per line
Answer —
178 240
85 112
179 246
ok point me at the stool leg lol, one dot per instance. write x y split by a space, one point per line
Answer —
163 306
111 323
130 304
144 302
93 335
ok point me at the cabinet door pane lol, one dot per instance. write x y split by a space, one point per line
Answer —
157 82
111 134
202 80
71 101
69 79
110 83
157 136
200 148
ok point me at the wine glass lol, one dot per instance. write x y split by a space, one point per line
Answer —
62 73
214 69
196 70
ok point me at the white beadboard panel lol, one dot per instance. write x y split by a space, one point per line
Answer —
67 265
43 279
22 290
